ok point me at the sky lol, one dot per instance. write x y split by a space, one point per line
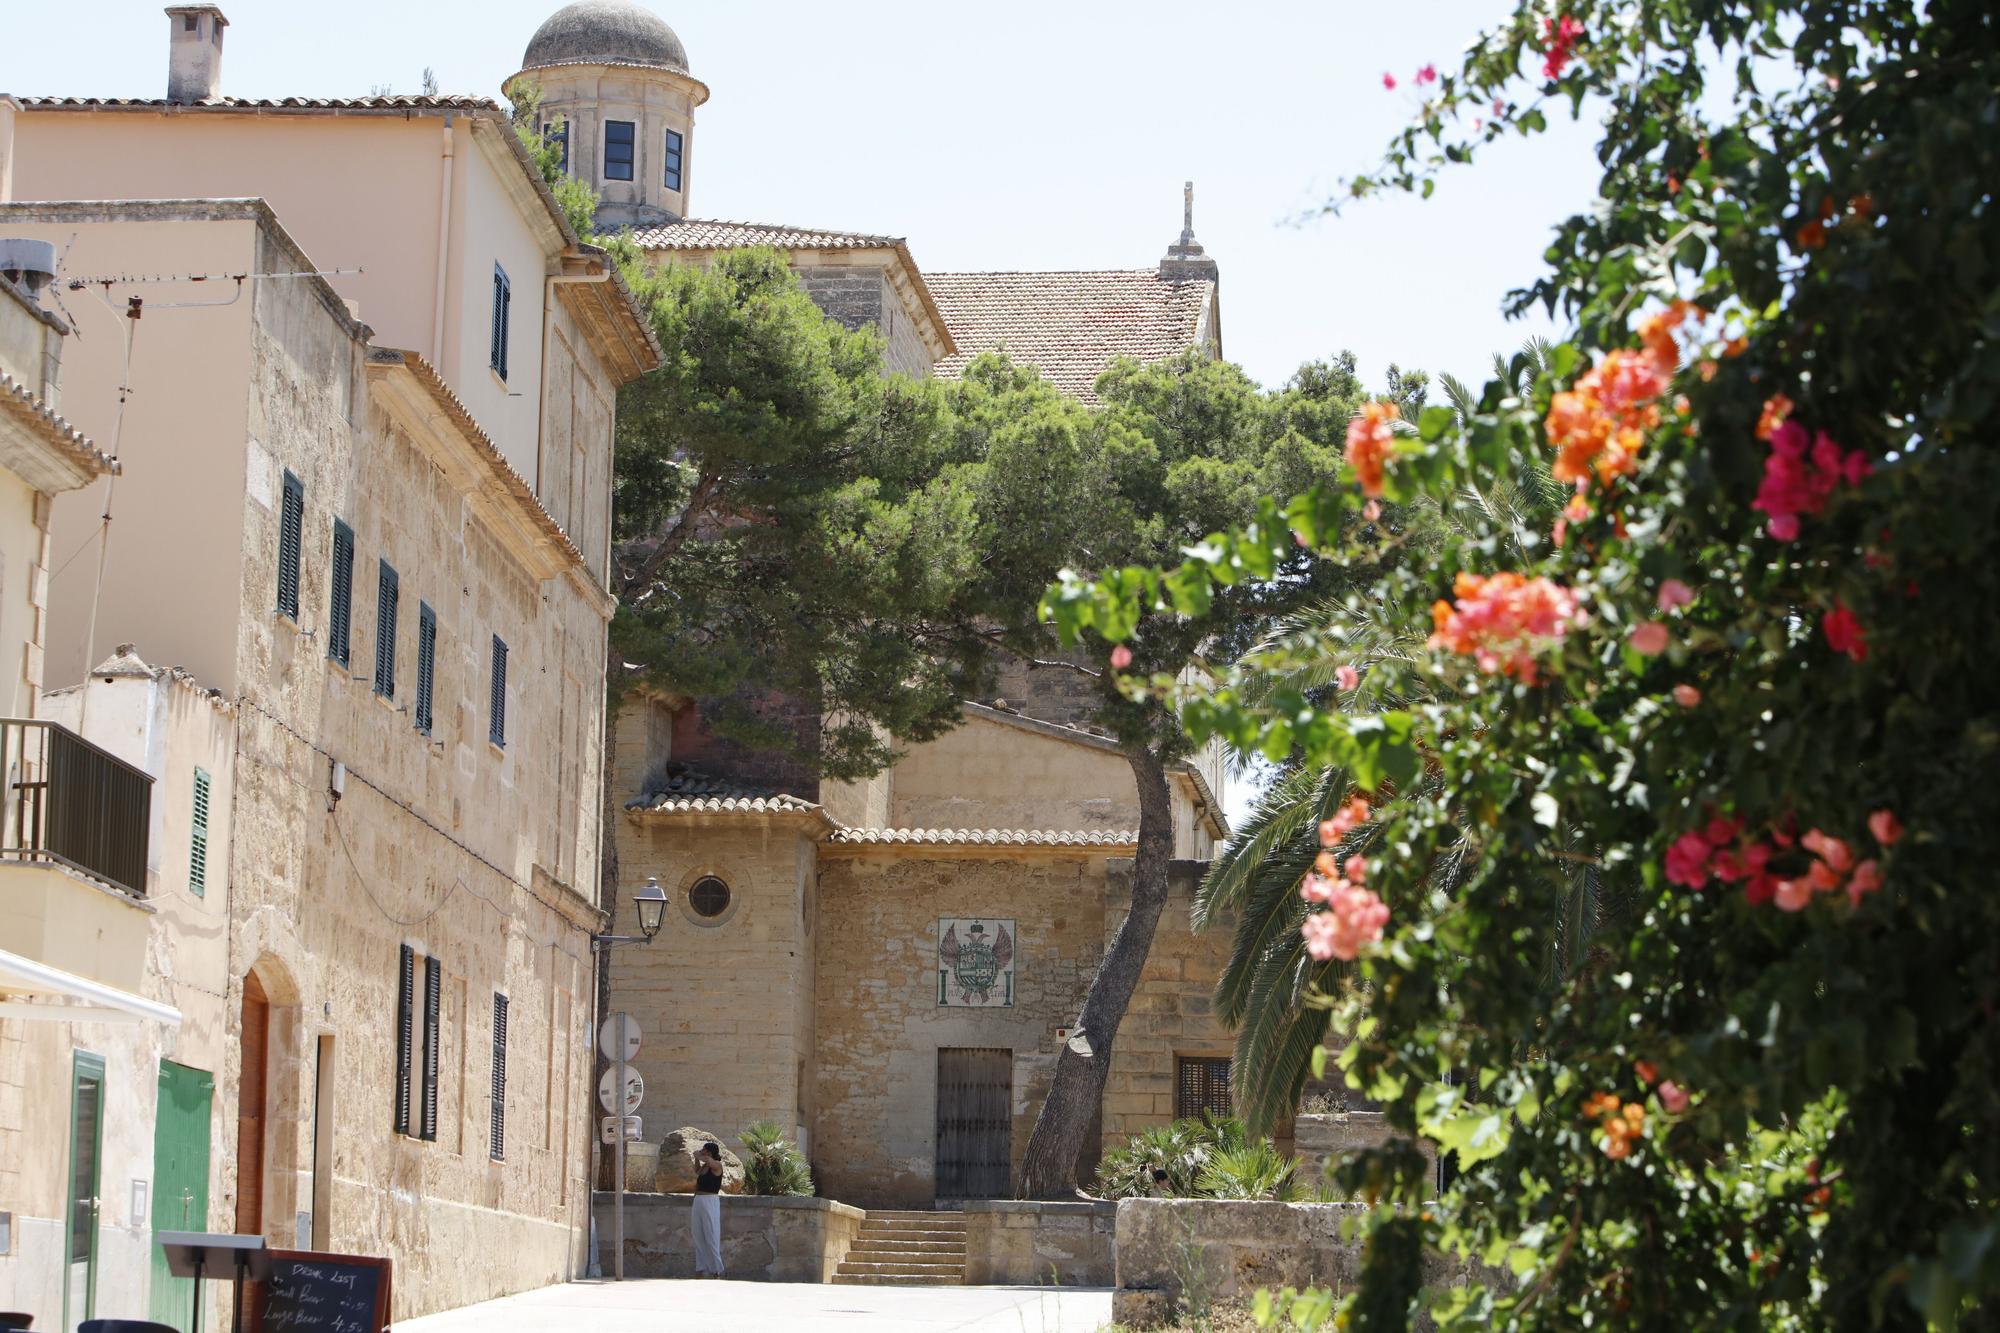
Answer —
1038 136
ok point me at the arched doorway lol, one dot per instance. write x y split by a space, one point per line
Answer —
252 1105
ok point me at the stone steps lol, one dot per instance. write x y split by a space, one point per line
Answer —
906 1248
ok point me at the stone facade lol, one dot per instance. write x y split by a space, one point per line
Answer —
764 1239
1009 1243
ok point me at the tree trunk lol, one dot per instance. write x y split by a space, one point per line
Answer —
1048 1169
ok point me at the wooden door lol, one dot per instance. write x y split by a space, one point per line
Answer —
250 1101
180 1180
975 1122
86 1159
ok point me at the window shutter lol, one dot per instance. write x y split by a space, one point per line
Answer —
405 1021
497 732
291 528
1203 1086
497 1146
503 300
340 617
433 991
427 631
506 320
386 593
198 839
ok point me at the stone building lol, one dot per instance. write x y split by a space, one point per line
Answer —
364 506
888 968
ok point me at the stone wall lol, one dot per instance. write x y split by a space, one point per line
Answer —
1320 1141
1010 1243
1171 1251
763 1239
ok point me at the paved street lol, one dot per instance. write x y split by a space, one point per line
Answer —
796 1307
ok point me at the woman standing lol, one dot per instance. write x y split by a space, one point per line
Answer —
708 1211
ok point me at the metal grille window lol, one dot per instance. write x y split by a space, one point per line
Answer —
387 590
198 838
340 616
497 1144
497 731
1203 1085
406 1021
427 1125
618 144
291 530
427 633
675 145
503 301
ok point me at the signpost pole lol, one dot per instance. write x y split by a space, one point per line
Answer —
618 1153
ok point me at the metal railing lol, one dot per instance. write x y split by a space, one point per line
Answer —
67 802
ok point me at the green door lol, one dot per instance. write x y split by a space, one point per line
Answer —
180 1180
86 1154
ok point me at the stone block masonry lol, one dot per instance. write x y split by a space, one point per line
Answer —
764 1239
1011 1243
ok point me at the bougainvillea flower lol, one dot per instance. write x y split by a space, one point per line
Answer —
1598 424
1801 476
1828 849
1844 633
1866 879
1121 657
1674 593
1776 408
1687 861
1687 696
1347 677
1503 621
1353 920
1370 435
1672 1099
1647 1071
1389 82
1793 894
1648 638
1428 74
1885 828
1345 820
1356 869
1559 43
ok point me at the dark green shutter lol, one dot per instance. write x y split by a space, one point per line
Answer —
198 839
433 989
497 731
386 592
291 529
497 1144
340 617
427 632
503 300
405 1035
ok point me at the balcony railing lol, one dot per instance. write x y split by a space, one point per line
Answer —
69 803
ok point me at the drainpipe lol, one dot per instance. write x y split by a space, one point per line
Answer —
444 244
549 283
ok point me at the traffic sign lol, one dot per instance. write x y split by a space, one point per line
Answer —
635 1091
610 1036
607 1130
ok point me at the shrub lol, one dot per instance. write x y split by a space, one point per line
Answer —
771 1163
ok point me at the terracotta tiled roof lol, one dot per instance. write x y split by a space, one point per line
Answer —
1069 326
70 444
393 103
989 837
715 234
686 790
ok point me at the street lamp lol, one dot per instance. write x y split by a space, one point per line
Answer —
651 902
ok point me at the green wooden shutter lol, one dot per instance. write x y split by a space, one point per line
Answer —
405 1023
497 703
433 990
340 616
198 839
386 593
497 1143
291 529
427 630
503 300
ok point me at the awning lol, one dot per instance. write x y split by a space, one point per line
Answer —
56 996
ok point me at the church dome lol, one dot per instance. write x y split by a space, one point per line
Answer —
605 32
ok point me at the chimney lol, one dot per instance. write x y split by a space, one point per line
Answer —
194 53
1186 261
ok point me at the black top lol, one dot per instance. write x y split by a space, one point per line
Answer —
708 1180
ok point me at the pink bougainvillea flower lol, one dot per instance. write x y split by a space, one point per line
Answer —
1844 633
1721 832
1687 861
1672 1099
1559 42
1828 849
1499 106
1372 511
1793 894
1866 879
1347 677
1822 877
1121 657
1344 821
1687 696
1674 593
1356 869
1800 476
1503 621
1648 638
1353 920
1389 82
1885 828
1428 74
1316 888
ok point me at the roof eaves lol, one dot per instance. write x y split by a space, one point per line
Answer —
71 459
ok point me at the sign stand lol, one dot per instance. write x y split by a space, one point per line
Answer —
188 1254
619 1040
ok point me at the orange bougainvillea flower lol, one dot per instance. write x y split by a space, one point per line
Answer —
1810 237
1503 621
1599 424
1776 408
1369 439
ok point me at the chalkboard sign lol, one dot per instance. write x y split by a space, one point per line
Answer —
310 1292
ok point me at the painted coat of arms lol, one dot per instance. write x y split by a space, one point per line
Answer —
975 963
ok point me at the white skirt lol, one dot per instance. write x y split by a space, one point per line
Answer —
707 1224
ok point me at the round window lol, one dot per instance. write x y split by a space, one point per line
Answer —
709 897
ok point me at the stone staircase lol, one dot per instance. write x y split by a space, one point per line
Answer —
906 1249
